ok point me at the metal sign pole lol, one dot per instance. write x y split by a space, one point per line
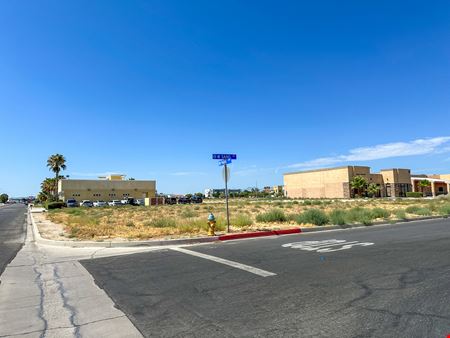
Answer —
226 196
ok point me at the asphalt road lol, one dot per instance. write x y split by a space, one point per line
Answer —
12 232
391 281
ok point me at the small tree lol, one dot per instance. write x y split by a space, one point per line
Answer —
373 189
424 184
189 196
359 183
4 198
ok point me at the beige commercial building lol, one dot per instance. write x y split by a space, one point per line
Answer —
335 182
112 187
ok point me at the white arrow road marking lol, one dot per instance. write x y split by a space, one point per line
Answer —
237 265
329 245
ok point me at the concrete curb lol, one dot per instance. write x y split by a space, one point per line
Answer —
110 244
259 234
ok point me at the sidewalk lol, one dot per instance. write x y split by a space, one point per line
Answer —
44 291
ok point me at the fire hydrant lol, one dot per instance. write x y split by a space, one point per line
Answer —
211 224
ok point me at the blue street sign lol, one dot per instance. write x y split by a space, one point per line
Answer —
223 162
224 156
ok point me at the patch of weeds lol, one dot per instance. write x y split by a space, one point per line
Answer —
445 210
188 213
380 213
360 215
242 220
400 214
338 217
424 211
130 224
273 215
313 216
412 209
75 211
163 222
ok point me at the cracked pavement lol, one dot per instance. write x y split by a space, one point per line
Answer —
397 287
46 292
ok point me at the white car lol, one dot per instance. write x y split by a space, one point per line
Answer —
114 203
124 201
100 204
140 201
86 203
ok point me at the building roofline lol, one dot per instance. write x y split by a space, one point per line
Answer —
395 169
98 180
325 169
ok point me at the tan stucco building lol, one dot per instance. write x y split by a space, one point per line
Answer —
112 187
335 182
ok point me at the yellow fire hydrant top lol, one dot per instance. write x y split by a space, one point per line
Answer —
211 225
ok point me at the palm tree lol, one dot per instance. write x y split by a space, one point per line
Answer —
48 186
56 163
424 184
359 183
373 189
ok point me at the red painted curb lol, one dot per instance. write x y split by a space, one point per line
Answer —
287 231
258 234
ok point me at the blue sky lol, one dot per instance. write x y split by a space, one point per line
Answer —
153 88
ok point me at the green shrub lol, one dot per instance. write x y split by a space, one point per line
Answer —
360 215
416 210
412 209
316 202
307 202
273 215
163 222
445 210
188 213
55 205
242 220
312 216
400 214
414 194
75 211
424 211
338 216
380 213
130 224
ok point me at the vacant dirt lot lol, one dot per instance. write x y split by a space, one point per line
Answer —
172 221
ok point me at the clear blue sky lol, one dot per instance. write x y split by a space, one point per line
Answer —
153 88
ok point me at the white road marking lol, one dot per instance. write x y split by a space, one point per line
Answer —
329 245
236 265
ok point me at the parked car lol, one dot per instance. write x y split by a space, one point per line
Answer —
184 200
71 203
170 200
86 203
100 204
196 199
139 201
114 203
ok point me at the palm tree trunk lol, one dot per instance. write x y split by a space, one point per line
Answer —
56 185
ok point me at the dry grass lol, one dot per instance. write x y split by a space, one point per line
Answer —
171 221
